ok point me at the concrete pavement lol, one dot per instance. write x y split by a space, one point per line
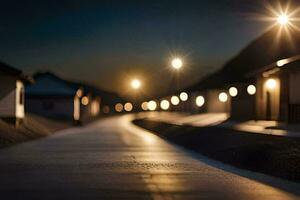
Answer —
113 159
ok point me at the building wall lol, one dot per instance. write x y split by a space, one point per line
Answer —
294 80
7 96
268 100
20 104
294 96
54 107
212 103
243 105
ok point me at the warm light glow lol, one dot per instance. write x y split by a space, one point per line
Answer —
177 63
251 89
164 104
233 91
223 97
136 84
183 96
282 62
128 107
283 19
79 92
144 106
95 107
85 100
118 107
152 105
271 84
175 100
200 101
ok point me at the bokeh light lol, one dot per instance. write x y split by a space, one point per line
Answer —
144 106
233 91
175 100
223 97
85 100
128 107
251 89
118 107
164 104
152 105
183 96
200 101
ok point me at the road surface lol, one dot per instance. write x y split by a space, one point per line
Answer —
113 159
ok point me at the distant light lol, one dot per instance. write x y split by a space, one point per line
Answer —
183 96
283 19
282 62
106 109
85 100
118 107
200 101
177 63
95 107
164 104
251 89
271 83
223 97
233 91
136 84
152 105
128 107
144 106
175 100
79 92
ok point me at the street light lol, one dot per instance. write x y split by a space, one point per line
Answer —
283 19
135 84
177 63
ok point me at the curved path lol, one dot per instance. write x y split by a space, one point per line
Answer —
113 159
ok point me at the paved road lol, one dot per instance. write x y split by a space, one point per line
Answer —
112 159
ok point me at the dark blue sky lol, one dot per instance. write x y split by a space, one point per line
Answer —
107 42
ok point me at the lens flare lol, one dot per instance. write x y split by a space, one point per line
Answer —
177 63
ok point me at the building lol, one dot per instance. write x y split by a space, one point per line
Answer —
54 97
11 94
278 93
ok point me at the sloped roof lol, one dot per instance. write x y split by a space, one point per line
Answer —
50 84
9 69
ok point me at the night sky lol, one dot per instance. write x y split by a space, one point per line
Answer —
108 42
